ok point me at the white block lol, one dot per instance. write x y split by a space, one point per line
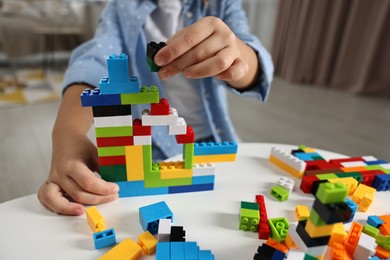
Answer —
288 159
365 248
353 164
369 158
286 183
179 129
295 255
109 121
385 166
142 140
164 230
159 120
203 169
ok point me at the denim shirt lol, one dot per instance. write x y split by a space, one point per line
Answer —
121 30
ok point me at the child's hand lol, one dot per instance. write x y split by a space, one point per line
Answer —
208 48
72 177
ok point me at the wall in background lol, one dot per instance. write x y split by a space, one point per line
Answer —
262 16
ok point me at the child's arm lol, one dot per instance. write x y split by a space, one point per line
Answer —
74 160
209 48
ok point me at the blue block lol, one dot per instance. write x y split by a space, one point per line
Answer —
205 255
191 251
93 98
207 179
376 162
163 251
124 191
118 80
353 206
374 221
306 156
137 188
373 258
104 238
149 216
212 148
278 255
177 250
381 182
191 188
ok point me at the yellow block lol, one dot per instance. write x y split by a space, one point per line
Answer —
95 220
362 190
320 231
134 163
338 235
215 158
302 212
147 242
366 202
309 150
350 182
125 250
174 170
290 243
286 167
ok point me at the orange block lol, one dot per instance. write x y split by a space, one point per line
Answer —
385 229
276 245
290 243
353 238
382 253
354 169
385 218
337 252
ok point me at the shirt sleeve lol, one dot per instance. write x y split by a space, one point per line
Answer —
88 61
235 17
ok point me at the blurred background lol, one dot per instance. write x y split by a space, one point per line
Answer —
331 89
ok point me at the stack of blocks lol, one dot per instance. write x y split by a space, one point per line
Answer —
125 143
102 237
327 215
249 216
282 190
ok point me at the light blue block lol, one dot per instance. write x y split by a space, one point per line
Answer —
191 251
374 221
149 216
203 179
212 148
163 251
205 255
104 238
177 250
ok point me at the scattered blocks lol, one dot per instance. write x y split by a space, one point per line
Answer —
104 238
150 215
249 216
147 242
302 212
95 220
279 228
127 249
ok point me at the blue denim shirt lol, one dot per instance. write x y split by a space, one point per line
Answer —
121 30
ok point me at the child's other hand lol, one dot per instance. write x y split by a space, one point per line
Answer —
208 48
72 179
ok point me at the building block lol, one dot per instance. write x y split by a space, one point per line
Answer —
212 148
332 192
338 235
268 252
188 155
188 137
179 128
114 141
113 131
163 251
191 188
327 176
356 175
353 206
361 191
350 182
143 140
263 230
337 252
147 242
333 212
375 221
371 231
310 241
353 236
111 151
126 250
205 255
104 238
320 231
382 253
161 120
249 216
286 183
120 110
215 158
172 170
191 250
113 173
95 220
139 129
279 228
290 243
149 216
151 51
287 162
164 230
383 241
295 255
111 121
381 182
111 160
369 176
134 163
144 96
302 212
365 248
160 108
307 183
366 202
93 97
281 247
280 193
385 229
177 234
203 169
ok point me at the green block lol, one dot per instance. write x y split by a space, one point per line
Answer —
371 231
279 228
357 176
309 257
152 174
113 173
383 241
111 151
316 219
249 219
327 176
114 131
332 192
302 147
188 155
249 205
280 193
152 66
316 158
146 95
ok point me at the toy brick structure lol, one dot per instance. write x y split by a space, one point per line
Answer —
125 143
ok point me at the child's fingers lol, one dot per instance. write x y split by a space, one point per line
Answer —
90 183
203 51
235 72
213 66
51 197
183 42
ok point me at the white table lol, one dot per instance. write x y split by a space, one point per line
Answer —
29 231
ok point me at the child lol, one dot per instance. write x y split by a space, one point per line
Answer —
211 50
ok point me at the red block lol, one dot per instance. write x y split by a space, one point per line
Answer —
307 183
264 230
161 108
318 165
114 141
111 160
337 162
139 129
369 176
188 137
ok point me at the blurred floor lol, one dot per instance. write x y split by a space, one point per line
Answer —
293 114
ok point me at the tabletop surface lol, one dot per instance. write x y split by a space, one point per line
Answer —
210 218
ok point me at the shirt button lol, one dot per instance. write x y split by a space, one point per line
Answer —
189 15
